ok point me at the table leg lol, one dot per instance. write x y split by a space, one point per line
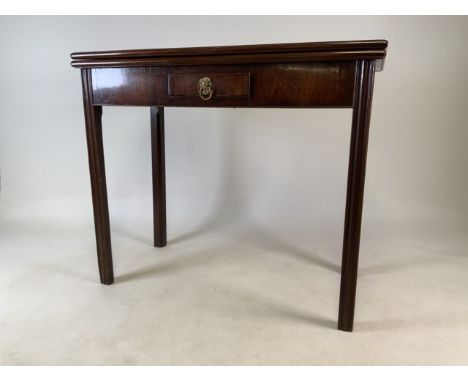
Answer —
98 180
355 191
159 176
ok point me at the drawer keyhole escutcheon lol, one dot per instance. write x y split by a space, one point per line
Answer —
205 88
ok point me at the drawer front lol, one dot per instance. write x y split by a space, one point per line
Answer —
305 85
212 85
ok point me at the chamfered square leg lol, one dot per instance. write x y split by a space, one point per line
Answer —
355 191
98 180
159 176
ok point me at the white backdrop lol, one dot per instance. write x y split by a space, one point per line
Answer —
266 163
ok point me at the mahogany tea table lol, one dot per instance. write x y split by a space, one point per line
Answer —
299 75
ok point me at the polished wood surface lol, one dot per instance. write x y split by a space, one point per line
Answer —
355 192
328 85
302 75
97 172
240 54
159 176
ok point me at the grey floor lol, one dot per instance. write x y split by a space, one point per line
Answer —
229 294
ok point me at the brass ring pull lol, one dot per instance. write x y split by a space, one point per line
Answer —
205 88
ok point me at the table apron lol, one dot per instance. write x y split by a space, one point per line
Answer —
295 85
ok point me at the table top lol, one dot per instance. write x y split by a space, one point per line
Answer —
236 54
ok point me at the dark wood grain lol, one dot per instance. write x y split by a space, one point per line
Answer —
321 46
261 53
98 180
279 85
159 176
355 192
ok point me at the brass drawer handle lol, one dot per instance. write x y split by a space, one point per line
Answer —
205 88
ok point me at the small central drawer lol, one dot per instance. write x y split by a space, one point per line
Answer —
208 86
